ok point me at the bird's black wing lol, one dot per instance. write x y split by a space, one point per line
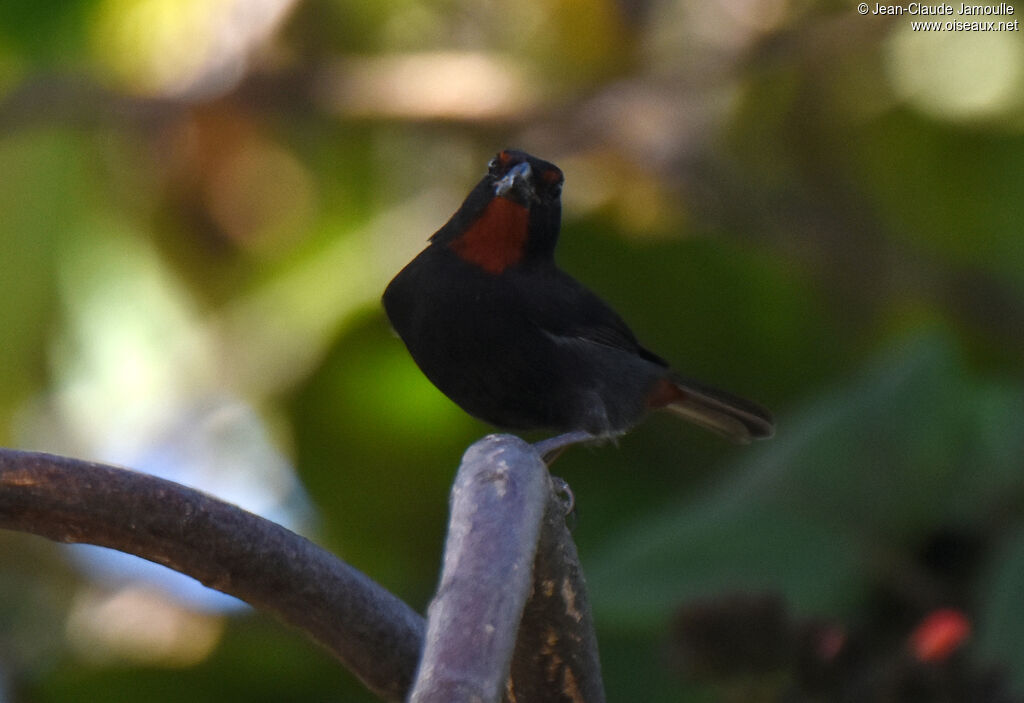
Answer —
563 307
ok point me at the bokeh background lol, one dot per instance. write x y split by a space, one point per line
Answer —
202 200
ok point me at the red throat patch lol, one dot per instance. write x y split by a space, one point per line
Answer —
497 239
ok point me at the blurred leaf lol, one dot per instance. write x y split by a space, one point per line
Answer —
50 192
257 662
634 668
910 443
957 194
44 30
1000 632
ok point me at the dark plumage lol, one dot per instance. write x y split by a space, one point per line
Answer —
495 324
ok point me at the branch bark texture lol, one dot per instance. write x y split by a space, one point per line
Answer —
497 503
511 596
556 656
376 635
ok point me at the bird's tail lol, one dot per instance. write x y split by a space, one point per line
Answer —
734 418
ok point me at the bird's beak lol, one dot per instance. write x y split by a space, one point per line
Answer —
515 184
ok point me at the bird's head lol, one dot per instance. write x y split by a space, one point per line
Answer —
511 217
525 179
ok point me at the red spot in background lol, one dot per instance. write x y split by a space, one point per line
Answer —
829 643
940 634
497 239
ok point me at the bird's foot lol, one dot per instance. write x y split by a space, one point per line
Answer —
564 491
552 448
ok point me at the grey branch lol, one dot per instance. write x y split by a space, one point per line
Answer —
512 597
493 613
376 635
556 657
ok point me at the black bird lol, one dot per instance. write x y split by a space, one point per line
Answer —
515 341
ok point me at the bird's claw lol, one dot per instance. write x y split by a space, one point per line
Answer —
552 448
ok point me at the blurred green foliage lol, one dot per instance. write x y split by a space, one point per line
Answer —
790 200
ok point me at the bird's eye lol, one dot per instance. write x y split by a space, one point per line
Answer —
499 162
552 179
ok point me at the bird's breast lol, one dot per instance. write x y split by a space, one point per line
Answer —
497 239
